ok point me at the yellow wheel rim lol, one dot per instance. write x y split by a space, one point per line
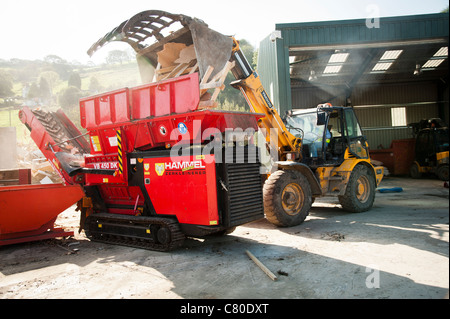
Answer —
292 199
363 189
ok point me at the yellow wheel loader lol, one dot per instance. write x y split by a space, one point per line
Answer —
321 152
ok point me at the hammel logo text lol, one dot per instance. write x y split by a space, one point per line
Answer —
160 168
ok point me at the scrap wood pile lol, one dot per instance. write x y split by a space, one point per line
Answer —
170 45
29 156
177 59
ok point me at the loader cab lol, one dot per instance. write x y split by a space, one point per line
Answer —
329 134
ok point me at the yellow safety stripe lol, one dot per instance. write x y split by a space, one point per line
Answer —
119 150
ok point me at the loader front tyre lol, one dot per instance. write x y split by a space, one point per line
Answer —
414 171
287 198
360 192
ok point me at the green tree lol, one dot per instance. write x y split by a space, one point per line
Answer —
54 59
44 89
6 84
248 51
94 85
75 80
52 79
26 71
59 65
69 97
34 91
117 56
230 98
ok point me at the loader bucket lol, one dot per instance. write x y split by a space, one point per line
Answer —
211 48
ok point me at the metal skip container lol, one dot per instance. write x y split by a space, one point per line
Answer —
28 212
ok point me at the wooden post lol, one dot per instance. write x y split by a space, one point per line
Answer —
260 265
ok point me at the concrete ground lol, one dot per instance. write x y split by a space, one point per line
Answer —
399 249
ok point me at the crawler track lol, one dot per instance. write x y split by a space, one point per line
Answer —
153 233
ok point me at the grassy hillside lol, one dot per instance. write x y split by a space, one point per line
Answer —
112 77
109 77
10 118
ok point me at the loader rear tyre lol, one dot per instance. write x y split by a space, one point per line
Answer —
287 198
360 192
442 172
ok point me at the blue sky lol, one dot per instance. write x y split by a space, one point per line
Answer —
33 29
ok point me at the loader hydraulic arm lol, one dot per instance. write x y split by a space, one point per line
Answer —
248 82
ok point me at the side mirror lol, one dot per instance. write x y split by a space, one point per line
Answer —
321 118
286 115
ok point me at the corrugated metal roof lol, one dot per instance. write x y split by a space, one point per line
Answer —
356 31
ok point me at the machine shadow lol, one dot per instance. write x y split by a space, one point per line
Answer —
383 225
218 268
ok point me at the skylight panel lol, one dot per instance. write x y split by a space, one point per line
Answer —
335 63
436 60
338 58
382 66
391 55
387 59
442 52
433 63
332 69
